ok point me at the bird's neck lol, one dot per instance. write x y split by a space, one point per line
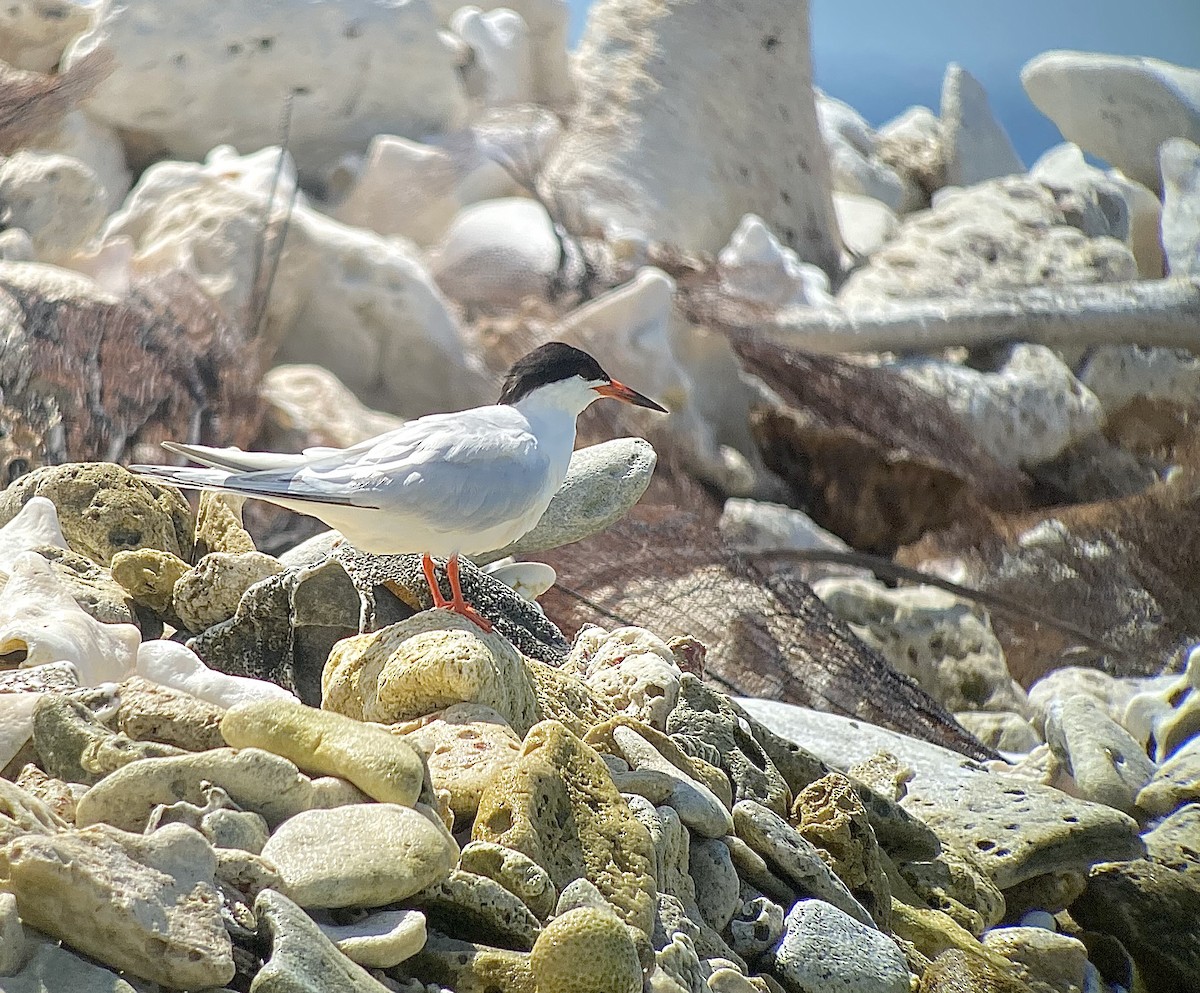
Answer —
551 414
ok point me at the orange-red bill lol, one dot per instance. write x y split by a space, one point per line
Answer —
619 391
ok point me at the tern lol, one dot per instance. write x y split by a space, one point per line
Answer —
444 484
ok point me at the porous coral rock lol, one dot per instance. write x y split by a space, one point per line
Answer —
104 509
150 712
148 576
464 903
465 746
586 951
558 805
383 766
515 871
630 668
145 904
210 591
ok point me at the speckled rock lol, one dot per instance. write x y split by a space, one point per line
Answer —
997 235
586 951
685 131
708 725
75 746
469 967
630 668
1105 762
558 805
718 890
757 925
1118 108
104 509
150 712
210 592
465 746
1021 830
464 903
794 858
515 871
1148 904
149 575
256 780
301 957
360 854
1024 413
831 816
380 764
943 642
1047 961
823 948
955 884
436 659
40 618
1176 782
701 809
143 904
382 940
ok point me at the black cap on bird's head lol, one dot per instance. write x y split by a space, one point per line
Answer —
557 361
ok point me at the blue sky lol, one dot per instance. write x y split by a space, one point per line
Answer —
882 56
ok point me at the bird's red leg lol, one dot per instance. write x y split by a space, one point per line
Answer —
458 604
431 579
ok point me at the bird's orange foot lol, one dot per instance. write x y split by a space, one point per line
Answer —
456 604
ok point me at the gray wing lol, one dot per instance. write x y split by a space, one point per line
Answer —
473 469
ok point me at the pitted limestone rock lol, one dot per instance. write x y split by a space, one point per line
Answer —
466 904
219 525
447 963
559 806
76 747
104 509
361 854
824 948
435 659
515 871
210 592
23 813
832 817
954 884
586 951
147 711
255 780
465 746
149 575
630 668
322 743
142 904
382 940
702 808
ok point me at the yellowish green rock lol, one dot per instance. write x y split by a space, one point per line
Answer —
586 950
149 575
466 967
558 805
383 766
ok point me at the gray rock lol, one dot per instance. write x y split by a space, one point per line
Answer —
466 905
365 854
381 940
716 879
302 959
976 146
12 936
1118 108
1180 162
1176 782
794 859
53 967
142 904
210 592
255 780
1105 761
824 949
756 926
516 872
1151 904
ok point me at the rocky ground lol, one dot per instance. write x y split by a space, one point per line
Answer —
720 741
